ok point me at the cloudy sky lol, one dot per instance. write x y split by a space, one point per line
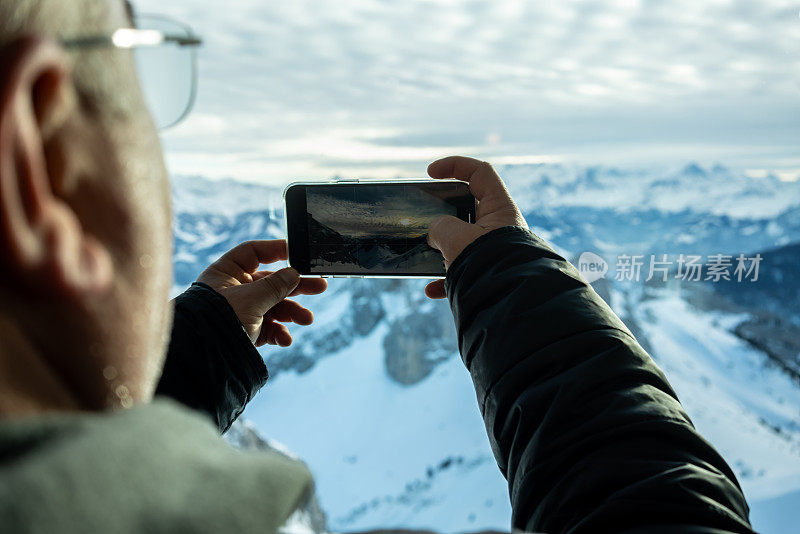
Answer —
378 88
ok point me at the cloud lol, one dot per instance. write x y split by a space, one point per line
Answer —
303 87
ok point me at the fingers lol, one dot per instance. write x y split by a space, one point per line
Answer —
273 333
268 291
435 290
248 255
450 235
290 311
258 275
482 178
307 286
310 286
485 185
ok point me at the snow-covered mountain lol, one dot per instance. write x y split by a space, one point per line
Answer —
374 397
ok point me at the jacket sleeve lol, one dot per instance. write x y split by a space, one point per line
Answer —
583 425
211 366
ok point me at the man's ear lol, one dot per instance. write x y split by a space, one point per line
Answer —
43 247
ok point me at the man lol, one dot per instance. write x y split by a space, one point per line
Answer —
584 426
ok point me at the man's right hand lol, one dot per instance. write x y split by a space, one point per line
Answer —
450 235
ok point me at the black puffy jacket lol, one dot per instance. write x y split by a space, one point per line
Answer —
584 426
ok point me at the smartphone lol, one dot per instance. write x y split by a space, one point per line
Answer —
370 228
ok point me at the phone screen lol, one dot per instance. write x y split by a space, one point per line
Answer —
371 229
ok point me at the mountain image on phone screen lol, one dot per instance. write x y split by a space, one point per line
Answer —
376 229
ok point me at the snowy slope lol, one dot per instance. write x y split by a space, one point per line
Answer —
374 395
384 453
749 409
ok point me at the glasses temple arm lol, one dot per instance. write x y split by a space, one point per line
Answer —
109 40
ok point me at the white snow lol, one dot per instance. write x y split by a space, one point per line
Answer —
367 438
731 392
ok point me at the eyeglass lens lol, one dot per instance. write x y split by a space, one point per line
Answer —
166 73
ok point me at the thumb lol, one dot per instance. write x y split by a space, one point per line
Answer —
270 290
450 235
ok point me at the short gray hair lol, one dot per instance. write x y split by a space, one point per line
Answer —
56 18
100 77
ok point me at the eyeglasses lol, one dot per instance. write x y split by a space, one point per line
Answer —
166 61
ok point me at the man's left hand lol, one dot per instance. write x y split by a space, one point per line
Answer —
259 297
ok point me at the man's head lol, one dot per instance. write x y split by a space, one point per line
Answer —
84 214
